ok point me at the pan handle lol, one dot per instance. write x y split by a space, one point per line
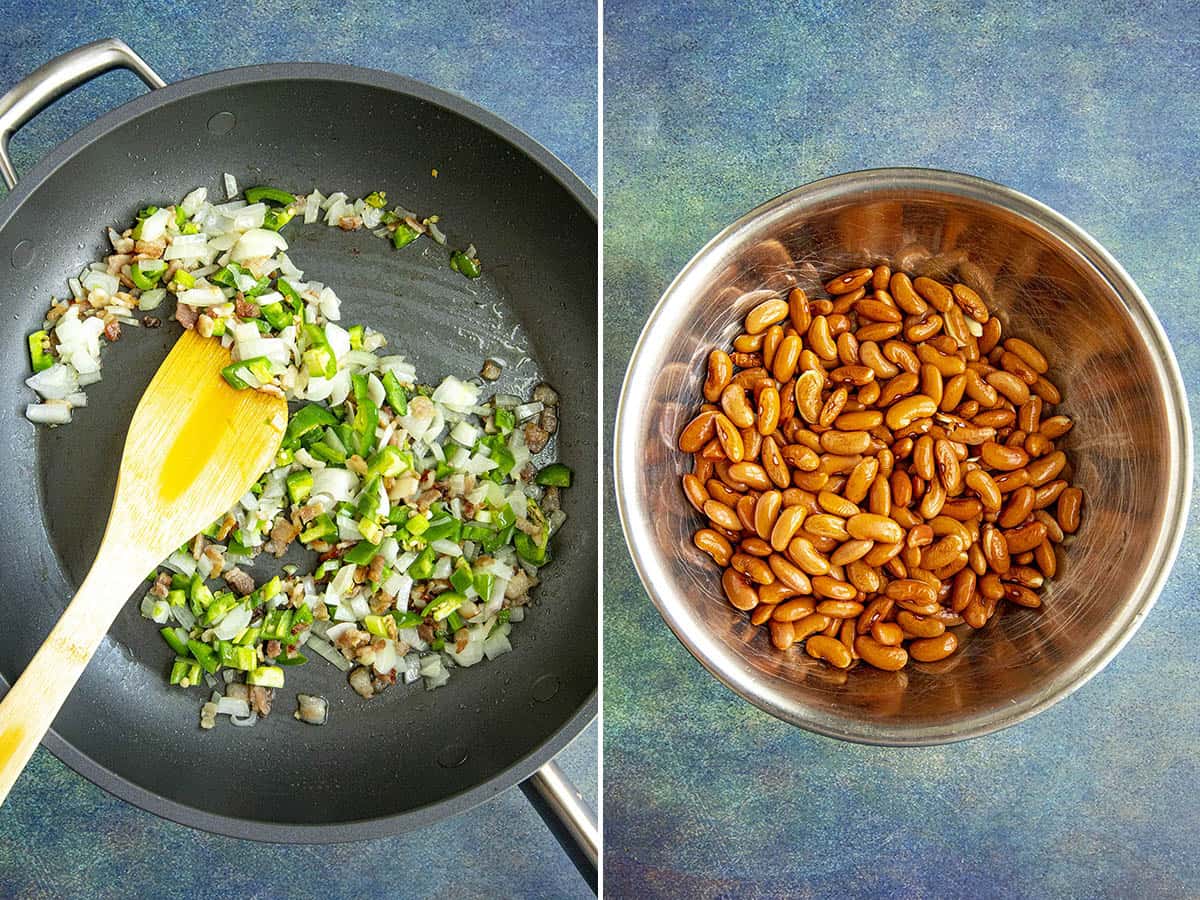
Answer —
568 815
59 76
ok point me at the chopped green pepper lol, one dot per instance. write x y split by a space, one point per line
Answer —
205 656
319 357
307 419
291 659
145 273
397 399
376 199
422 566
375 625
356 337
185 672
266 676
219 608
244 658
555 475
176 639
181 281
366 415
274 219
320 528
404 235
361 553
299 485
388 462
454 620
485 583
407 619
262 194
39 351
464 265
276 316
505 420
444 604
258 366
461 578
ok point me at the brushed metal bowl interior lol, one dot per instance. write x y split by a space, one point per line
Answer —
1049 282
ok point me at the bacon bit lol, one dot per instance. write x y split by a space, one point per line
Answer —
150 249
462 637
335 553
186 315
427 499
351 639
274 648
205 325
260 699
309 512
376 569
357 464
117 261
214 556
56 311
350 223
536 437
240 581
245 308
425 632
282 533
227 525
162 585
112 331
528 472
198 544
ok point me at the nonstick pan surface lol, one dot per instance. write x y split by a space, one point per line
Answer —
409 756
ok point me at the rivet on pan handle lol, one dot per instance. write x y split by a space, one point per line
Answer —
568 816
60 76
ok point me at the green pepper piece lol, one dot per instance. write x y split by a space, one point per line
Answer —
263 194
277 317
422 566
555 475
290 294
291 659
356 337
368 504
249 637
227 276
189 228
299 485
529 550
205 656
244 658
181 281
307 419
501 619
454 620
366 415
145 273
180 217
322 451
375 625
361 553
505 420
176 639
185 672
388 462
319 357
461 578
219 608
407 619
404 235
39 351
464 265
397 399
275 219
444 604
303 616
376 199
266 676
417 524
485 583
320 528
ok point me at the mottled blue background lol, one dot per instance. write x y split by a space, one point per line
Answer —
711 108
532 63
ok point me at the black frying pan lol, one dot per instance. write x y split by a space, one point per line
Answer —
408 757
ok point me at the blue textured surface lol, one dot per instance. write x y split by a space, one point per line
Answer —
1091 108
532 63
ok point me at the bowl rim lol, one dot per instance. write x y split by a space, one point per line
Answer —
716 657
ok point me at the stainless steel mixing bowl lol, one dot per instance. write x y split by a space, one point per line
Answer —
1049 282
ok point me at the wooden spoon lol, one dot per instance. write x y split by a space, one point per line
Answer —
194 447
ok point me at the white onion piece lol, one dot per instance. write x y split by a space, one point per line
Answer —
234 621
208 295
191 203
340 484
231 186
229 706
54 383
155 226
257 243
48 413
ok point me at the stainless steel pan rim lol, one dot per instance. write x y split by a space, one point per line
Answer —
367 828
673 308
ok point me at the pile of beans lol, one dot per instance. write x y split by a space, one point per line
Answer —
878 467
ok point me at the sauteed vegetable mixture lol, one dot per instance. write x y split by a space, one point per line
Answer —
429 518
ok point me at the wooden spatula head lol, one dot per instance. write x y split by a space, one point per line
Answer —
195 446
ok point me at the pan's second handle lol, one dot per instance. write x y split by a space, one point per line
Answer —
59 76
570 818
